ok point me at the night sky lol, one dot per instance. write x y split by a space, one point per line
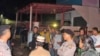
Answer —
9 7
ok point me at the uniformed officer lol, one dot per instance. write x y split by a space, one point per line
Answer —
68 47
40 51
4 36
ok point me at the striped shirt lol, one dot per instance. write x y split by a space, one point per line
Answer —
4 49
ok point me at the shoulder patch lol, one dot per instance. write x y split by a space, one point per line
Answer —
70 46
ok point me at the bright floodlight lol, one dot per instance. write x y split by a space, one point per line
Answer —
55 25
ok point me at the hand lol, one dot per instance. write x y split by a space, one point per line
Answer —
59 43
48 26
50 46
12 44
52 41
30 48
98 46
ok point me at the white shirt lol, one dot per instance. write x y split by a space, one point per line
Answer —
97 42
57 38
30 34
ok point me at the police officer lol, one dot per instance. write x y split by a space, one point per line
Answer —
40 51
68 47
4 36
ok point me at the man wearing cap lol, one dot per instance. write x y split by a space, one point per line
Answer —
4 36
68 47
39 51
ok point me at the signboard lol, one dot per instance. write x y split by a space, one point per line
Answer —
70 2
92 3
36 24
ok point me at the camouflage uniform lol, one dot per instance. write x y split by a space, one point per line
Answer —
90 52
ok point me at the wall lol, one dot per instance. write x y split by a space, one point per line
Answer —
73 15
68 16
90 14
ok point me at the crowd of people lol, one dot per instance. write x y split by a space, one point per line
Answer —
55 42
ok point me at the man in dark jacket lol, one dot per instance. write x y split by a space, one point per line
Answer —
32 44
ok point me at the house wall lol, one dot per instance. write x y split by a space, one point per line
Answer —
90 14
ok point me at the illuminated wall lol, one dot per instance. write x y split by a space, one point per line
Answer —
90 14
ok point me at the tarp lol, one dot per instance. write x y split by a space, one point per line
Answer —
41 8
